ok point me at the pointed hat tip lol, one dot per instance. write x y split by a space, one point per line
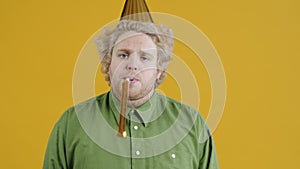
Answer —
136 10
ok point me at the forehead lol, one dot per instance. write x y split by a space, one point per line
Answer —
135 40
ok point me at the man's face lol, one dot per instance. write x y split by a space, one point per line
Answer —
134 56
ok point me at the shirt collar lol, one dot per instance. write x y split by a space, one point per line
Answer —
147 112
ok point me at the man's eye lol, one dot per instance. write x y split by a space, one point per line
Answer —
144 58
123 56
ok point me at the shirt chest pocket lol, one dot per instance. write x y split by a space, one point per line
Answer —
175 160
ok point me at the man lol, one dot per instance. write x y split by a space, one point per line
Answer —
162 133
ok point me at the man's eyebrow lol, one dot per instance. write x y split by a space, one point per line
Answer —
149 54
123 50
145 51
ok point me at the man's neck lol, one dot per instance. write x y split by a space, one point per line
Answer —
140 101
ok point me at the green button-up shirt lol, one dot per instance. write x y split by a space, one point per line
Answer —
161 134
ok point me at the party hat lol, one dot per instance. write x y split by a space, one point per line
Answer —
136 10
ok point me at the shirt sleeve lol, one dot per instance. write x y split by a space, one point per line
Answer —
55 157
207 150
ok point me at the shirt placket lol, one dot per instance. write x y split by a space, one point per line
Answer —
137 147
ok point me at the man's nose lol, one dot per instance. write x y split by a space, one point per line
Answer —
132 63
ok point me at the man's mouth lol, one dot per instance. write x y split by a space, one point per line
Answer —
131 79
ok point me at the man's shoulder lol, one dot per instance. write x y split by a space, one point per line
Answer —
173 103
184 116
178 109
88 105
90 102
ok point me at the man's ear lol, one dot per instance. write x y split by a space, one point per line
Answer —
108 69
159 72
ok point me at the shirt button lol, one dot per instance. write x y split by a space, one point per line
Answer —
137 152
136 127
173 155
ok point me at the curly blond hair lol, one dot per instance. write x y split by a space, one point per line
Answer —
161 36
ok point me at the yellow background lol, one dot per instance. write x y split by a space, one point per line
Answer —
257 40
